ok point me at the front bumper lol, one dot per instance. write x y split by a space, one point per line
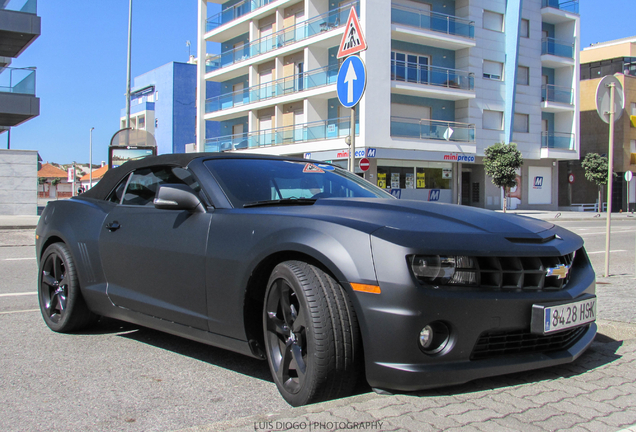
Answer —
390 324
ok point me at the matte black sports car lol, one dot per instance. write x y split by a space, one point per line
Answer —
317 270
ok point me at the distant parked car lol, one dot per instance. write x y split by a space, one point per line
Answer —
318 271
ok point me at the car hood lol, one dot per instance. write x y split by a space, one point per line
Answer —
422 225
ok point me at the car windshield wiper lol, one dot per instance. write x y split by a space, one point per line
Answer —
284 201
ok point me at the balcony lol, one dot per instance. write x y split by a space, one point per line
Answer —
439 30
426 129
17 96
319 130
559 11
285 86
287 36
431 81
233 12
557 140
564 5
556 98
19 26
557 53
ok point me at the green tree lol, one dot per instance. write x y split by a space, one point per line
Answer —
501 163
595 167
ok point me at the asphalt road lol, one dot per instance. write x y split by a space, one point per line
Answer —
123 377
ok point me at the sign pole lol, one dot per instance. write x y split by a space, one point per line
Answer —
352 150
610 171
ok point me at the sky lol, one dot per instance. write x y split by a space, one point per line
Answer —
81 58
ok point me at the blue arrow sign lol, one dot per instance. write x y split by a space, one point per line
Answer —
352 80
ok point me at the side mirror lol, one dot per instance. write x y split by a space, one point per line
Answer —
178 197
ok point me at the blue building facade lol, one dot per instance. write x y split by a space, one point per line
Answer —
163 102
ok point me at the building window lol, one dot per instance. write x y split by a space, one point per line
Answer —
141 122
633 108
521 123
523 75
493 120
493 70
493 21
524 29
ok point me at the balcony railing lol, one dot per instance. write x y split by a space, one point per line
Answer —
427 20
557 47
26 6
566 5
557 140
291 84
289 35
319 130
17 80
234 12
427 129
553 93
432 75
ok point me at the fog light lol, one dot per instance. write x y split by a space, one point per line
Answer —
434 337
426 337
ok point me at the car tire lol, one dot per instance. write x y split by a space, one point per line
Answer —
61 302
312 338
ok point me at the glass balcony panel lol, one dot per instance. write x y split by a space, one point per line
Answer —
432 75
291 84
427 129
324 129
557 47
286 36
447 24
26 6
565 5
233 12
17 80
553 93
557 140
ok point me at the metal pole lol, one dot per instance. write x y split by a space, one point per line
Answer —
9 139
128 70
610 171
352 150
73 173
90 161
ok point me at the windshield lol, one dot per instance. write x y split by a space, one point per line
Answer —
249 181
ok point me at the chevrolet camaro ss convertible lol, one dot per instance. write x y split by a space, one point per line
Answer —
326 276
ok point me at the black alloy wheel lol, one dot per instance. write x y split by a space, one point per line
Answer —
311 334
61 302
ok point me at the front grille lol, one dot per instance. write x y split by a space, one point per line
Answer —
522 273
499 343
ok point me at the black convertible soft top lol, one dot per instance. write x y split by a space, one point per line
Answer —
114 176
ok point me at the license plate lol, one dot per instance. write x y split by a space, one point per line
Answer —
565 316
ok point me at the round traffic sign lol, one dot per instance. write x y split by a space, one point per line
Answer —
608 85
352 80
628 175
571 178
364 164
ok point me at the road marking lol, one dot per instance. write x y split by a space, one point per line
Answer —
18 294
18 259
597 252
19 311
603 233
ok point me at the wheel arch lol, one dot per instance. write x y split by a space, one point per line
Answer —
257 285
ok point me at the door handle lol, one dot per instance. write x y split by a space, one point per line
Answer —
113 226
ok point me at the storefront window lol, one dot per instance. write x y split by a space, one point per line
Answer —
433 177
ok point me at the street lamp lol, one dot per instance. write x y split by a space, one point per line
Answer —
90 160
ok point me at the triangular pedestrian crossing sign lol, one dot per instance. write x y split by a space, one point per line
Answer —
352 40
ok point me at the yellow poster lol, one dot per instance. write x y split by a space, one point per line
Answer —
421 180
382 180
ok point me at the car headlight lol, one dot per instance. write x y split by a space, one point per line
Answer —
444 270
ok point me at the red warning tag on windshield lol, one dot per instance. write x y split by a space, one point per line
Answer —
311 168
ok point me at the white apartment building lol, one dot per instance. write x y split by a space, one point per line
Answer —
445 80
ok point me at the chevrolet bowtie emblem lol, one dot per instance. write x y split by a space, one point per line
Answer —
560 271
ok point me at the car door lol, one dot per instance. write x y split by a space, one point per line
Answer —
154 260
